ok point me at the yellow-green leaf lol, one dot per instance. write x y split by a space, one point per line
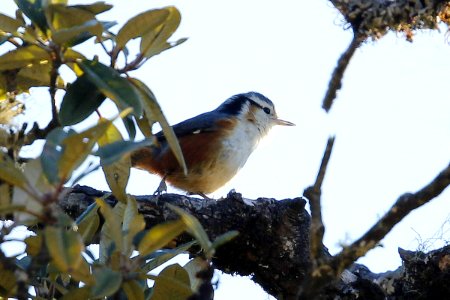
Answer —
155 41
133 290
78 146
83 273
160 235
195 229
117 173
72 25
65 247
22 57
111 233
9 172
154 112
172 284
133 223
95 8
8 24
34 244
140 24
78 34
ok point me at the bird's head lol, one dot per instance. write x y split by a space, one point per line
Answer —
254 108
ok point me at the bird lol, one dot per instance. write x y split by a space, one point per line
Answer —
215 144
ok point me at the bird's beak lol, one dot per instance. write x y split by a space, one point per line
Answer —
283 122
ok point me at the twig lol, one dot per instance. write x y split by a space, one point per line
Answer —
402 207
336 78
56 63
37 133
313 193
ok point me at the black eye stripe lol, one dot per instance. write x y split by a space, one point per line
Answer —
265 109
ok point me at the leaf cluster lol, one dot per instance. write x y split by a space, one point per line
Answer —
57 263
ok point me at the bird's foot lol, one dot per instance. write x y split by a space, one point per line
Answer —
200 194
162 187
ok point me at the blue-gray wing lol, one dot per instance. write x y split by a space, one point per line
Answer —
206 122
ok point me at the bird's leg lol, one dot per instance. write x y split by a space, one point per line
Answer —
162 187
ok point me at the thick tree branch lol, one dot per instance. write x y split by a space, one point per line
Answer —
273 245
373 18
273 241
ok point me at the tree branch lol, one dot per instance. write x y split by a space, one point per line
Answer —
335 83
402 207
329 271
273 241
313 194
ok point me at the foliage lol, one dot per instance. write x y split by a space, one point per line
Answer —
56 263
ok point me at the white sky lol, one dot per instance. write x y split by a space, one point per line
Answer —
391 119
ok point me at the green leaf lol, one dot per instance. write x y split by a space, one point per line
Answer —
10 174
107 282
164 257
111 233
172 284
140 24
34 10
52 153
65 247
129 126
133 223
80 101
23 56
160 235
114 151
155 41
154 113
195 229
133 290
8 24
88 223
112 85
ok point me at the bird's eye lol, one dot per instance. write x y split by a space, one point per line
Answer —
266 110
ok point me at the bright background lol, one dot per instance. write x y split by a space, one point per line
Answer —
391 118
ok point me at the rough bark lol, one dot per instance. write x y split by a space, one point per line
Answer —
273 247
